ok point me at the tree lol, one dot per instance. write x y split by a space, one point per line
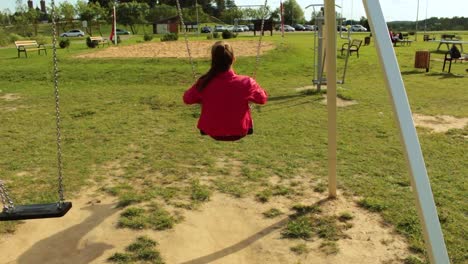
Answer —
364 22
93 13
160 12
131 14
66 12
293 12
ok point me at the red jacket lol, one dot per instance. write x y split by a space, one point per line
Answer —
225 104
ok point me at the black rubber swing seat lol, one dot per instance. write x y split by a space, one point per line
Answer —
36 211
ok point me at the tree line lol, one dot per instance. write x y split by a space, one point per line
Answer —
133 13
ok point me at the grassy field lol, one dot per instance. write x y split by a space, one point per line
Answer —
124 124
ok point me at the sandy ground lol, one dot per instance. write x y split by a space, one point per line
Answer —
176 49
439 123
224 231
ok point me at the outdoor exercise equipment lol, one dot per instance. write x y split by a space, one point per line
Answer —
194 74
320 51
34 211
433 237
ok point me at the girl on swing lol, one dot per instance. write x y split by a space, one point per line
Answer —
224 97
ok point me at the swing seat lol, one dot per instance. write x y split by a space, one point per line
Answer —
227 138
36 211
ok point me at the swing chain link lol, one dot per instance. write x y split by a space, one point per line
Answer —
8 205
179 11
57 103
259 46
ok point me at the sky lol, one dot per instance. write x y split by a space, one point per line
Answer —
393 9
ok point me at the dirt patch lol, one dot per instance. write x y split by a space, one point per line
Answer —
10 97
339 102
439 123
225 230
176 49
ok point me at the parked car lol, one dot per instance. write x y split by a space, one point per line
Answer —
246 28
206 30
299 27
229 28
342 28
219 28
309 27
358 28
121 31
238 29
73 33
288 28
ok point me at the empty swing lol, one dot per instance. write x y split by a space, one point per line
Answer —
222 131
11 211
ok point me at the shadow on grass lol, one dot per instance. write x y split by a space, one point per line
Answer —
446 75
249 240
64 247
413 72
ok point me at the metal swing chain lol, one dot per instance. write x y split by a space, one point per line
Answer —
57 104
259 46
179 11
8 205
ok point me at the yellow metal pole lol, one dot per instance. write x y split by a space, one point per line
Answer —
330 35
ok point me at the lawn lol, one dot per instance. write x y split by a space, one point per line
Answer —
129 112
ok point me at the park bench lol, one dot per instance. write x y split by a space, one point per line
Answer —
29 45
403 42
448 36
100 41
353 47
403 39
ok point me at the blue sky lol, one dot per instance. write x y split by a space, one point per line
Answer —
393 9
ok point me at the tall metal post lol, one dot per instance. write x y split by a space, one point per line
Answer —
425 204
196 10
330 35
417 20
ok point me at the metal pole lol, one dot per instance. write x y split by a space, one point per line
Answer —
115 27
427 211
330 35
417 18
196 10
425 20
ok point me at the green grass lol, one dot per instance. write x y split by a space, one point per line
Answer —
141 251
300 249
124 127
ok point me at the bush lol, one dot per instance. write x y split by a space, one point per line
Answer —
215 35
170 37
148 37
41 39
228 34
14 37
64 43
91 43
412 33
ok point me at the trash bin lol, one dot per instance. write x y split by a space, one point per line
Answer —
422 60
366 41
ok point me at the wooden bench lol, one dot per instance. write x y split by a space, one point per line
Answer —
402 41
100 41
29 45
353 47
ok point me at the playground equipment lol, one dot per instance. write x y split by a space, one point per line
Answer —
319 50
425 204
60 208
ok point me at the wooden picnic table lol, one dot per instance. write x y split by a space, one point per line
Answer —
452 42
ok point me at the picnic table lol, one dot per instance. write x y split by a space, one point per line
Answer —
450 42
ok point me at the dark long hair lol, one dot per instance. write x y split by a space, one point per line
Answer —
222 57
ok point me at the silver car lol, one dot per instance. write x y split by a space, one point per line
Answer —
73 33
